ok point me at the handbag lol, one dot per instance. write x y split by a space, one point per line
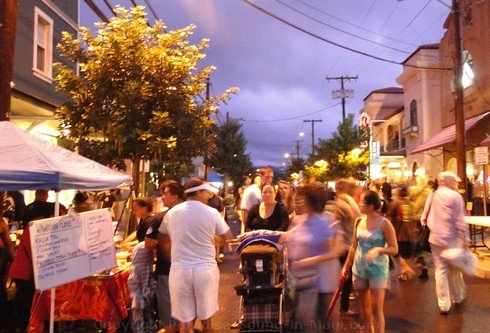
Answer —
461 258
422 242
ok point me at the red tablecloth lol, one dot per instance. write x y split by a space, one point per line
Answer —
100 299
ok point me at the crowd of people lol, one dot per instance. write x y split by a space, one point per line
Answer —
367 230
352 231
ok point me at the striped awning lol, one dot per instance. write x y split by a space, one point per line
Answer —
447 135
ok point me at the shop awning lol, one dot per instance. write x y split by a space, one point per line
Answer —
447 135
485 142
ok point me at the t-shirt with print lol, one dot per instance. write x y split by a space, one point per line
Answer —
192 226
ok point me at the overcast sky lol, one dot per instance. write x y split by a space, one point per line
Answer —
281 71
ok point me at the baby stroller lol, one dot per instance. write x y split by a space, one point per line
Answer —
263 285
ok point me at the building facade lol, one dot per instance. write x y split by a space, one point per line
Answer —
427 120
422 108
475 31
40 25
382 115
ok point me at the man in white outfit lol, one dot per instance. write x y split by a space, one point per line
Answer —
253 193
444 215
194 274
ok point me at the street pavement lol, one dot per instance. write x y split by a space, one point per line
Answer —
410 306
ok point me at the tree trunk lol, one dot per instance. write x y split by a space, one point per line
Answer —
8 25
136 175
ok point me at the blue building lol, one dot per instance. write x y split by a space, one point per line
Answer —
40 25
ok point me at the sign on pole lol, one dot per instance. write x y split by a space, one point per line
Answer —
71 247
481 155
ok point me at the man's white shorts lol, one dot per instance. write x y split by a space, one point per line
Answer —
194 292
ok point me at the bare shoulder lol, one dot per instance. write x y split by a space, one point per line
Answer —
386 224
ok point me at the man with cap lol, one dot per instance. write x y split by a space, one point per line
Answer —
194 274
444 215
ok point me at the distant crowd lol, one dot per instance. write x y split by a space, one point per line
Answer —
351 232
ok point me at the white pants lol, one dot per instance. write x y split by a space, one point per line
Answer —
449 281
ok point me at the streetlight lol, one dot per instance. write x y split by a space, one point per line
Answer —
286 155
301 134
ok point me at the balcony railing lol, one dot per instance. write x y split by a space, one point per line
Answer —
412 130
393 148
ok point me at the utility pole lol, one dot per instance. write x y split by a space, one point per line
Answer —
297 147
8 26
312 121
459 100
208 87
342 93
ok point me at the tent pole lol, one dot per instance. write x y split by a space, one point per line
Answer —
53 290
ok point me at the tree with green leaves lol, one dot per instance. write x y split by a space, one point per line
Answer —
137 95
229 157
340 151
295 165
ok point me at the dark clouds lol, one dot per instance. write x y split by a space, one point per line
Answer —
281 71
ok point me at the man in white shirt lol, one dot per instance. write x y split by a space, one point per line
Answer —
444 212
253 194
194 274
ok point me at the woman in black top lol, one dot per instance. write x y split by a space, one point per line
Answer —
269 214
142 209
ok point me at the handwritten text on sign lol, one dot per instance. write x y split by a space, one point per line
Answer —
71 247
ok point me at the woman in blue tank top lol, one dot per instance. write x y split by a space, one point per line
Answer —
374 239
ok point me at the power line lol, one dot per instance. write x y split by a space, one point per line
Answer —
291 118
97 10
379 31
403 30
332 42
151 9
340 30
418 14
341 54
445 4
110 7
359 27
368 65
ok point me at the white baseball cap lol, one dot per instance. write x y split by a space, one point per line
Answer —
448 175
204 186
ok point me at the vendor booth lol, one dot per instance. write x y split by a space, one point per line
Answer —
27 163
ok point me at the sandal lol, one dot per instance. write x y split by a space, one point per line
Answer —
403 277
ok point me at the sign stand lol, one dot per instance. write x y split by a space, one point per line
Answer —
69 248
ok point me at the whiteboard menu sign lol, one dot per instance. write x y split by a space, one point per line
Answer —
71 247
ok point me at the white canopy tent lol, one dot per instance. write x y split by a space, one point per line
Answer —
27 162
